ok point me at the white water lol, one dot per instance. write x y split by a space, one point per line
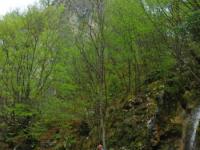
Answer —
195 123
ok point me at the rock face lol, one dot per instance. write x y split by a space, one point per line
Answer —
81 7
128 124
76 12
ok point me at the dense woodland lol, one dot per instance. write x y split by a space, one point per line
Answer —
121 73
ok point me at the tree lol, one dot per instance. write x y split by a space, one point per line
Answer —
29 53
91 31
29 50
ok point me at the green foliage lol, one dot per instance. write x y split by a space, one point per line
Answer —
57 70
21 111
194 25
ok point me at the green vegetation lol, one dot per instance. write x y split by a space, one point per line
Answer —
123 73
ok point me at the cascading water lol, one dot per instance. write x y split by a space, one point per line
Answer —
192 129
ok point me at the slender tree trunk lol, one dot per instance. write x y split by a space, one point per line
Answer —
102 90
130 77
101 64
102 123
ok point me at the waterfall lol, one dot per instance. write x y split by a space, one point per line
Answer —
15 148
193 127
